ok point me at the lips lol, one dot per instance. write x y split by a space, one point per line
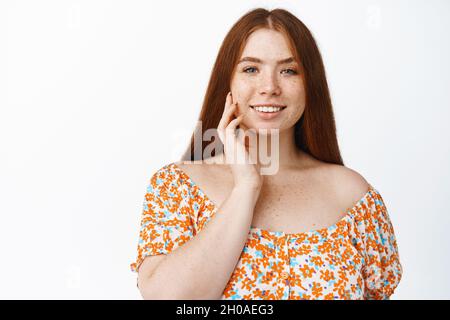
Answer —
267 105
262 106
267 115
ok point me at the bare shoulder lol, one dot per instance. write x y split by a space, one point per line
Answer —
215 180
205 173
349 185
194 170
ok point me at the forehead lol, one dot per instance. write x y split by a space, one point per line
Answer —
268 45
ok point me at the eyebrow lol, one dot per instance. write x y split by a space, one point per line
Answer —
253 59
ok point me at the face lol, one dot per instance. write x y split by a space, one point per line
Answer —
266 81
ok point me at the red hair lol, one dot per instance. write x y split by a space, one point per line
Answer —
315 131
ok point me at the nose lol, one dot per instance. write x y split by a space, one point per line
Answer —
269 85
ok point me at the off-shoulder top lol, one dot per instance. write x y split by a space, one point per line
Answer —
355 258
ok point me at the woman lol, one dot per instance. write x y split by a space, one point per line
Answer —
220 229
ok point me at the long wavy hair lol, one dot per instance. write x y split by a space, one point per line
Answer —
315 131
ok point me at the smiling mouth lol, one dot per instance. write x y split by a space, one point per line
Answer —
267 113
268 109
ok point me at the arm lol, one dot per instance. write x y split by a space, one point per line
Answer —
202 267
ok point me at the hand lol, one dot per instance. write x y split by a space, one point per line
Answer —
238 154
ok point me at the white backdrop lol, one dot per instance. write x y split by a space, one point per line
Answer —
97 95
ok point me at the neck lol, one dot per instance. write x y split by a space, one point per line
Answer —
276 149
280 148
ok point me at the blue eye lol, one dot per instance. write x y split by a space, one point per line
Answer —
253 68
293 71
245 70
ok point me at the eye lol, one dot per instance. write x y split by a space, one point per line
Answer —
245 70
253 68
292 70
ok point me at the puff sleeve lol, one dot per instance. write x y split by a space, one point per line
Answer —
166 221
375 240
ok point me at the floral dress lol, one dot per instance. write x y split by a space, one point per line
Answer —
355 258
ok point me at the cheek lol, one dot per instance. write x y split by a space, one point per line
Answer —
297 94
296 85
242 93
293 116
241 89
297 101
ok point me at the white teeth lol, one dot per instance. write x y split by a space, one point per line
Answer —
267 109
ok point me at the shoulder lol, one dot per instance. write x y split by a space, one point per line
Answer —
203 170
192 170
167 177
349 185
168 171
348 177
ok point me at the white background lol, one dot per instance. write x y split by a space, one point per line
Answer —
97 95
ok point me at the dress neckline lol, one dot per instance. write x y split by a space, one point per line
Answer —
349 213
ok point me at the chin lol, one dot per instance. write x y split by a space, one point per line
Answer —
264 126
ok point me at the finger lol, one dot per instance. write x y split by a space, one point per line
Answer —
228 111
234 123
252 146
228 101
228 104
243 126
231 134
221 135
235 147
227 116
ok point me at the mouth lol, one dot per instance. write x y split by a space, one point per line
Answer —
267 112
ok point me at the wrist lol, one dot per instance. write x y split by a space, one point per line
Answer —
252 187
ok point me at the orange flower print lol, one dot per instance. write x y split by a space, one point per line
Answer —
248 283
265 262
246 258
240 272
304 250
317 260
327 275
356 258
296 281
324 247
342 275
313 239
317 290
307 272
329 296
